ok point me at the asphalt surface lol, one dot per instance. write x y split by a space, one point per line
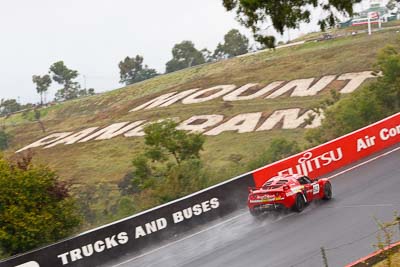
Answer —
345 226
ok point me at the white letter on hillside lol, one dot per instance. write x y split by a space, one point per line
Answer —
301 84
198 98
302 87
356 79
73 138
205 122
236 95
165 100
242 123
46 140
290 117
316 88
112 131
139 131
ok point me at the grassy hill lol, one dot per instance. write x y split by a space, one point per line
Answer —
229 153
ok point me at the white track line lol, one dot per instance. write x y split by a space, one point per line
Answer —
367 206
182 239
363 163
239 215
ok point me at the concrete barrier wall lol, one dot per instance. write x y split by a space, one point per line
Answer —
135 233
159 224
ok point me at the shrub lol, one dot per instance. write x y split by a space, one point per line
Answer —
35 209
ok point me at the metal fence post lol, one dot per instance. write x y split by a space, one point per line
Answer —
324 258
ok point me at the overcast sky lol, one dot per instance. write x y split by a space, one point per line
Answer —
92 36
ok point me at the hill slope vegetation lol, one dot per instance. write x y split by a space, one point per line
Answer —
229 153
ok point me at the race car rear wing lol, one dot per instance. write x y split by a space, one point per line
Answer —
251 188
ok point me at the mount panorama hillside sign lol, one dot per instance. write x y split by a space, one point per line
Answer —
216 124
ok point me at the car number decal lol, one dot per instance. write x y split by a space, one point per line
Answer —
315 189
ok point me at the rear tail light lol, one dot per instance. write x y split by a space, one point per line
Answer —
285 187
280 194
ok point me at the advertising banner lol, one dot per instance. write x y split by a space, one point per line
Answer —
133 234
337 153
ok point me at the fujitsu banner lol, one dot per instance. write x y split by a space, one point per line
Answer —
335 154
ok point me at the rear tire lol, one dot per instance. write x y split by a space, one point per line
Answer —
327 191
299 203
255 213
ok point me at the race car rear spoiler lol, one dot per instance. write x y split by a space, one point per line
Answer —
251 188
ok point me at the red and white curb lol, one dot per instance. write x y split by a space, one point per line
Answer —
363 261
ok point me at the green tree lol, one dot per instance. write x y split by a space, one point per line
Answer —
86 92
389 64
91 91
182 180
163 140
367 105
131 70
348 114
265 41
42 84
65 77
184 55
125 184
278 149
8 106
145 73
235 44
207 54
35 209
34 115
391 5
322 106
167 152
96 201
284 14
38 116
4 140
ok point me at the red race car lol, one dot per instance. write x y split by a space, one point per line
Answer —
287 192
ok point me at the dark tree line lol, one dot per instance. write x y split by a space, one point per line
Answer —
8 106
62 75
373 102
58 73
131 70
253 14
4 140
184 55
283 14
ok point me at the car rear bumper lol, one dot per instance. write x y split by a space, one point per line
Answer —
269 207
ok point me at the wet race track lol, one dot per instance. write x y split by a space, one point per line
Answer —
345 226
